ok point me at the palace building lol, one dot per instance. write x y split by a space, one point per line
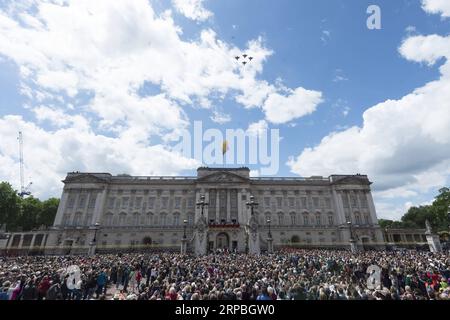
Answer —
220 208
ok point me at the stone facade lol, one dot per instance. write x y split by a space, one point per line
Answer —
156 212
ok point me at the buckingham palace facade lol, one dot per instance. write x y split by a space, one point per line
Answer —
211 211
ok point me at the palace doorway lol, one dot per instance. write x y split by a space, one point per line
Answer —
222 241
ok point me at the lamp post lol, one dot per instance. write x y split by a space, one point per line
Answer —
269 238
252 204
184 240
353 247
202 203
94 241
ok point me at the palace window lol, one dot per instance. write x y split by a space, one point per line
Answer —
71 202
151 202
291 202
366 219
135 219
177 203
267 202
176 219
92 199
305 220
125 202
316 202
138 202
109 219
81 202
304 202
111 201
279 202
77 219
163 219
327 203
363 200
164 202
318 220
190 219
190 203
293 219
122 219
345 200
357 218
354 201
330 220
280 219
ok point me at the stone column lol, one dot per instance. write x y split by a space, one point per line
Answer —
403 238
61 208
22 236
217 217
99 206
371 205
228 205
339 207
32 241
240 213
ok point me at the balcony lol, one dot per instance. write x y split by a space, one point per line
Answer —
223 225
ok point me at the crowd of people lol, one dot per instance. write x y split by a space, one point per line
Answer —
286 275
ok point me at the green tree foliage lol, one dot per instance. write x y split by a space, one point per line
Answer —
436 213
35 213
9 206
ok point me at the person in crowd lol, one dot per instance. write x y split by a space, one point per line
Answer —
290 274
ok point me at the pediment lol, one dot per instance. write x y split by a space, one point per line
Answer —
84 178
222 177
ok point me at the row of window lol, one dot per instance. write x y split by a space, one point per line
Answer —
80 203
302 202
354 201
138 202
148 219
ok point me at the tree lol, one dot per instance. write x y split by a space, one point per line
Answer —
416 217
48 212
30 212
35 213
441 207
9 206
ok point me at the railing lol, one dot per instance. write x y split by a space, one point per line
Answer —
225 225
154 178
290 179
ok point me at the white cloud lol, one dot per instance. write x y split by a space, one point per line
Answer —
84 66
192 9
437 6
281 109
257 128
220 118
50 155
404 145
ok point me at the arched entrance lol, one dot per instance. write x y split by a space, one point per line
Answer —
222 241
147 242
295 240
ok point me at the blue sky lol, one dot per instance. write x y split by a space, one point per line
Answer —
106 87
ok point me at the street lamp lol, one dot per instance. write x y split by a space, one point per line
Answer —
202 203
184 228
94 241
270 233
252 204
349 223
96 228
